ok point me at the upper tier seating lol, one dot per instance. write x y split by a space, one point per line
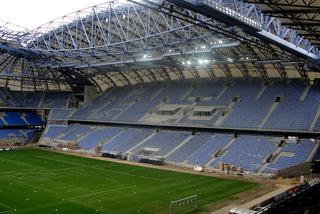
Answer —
39 99
32 118
292 113
55 100
13 119
9 118
241 104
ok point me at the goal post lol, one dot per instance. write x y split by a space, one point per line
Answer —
183 201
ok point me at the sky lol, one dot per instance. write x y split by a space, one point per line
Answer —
34 13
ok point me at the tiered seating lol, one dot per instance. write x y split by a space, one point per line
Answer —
17 97
98 136
293 114
13 119
249 112
247 152
165 141
300 151
140 107
5 100
32 99
29 134
188 148
17 135
60 114
9 133
76 133
53 131
9 118
317 156
175 91
207 88
55 100
205 152
132 103
105 106
32 118
126 140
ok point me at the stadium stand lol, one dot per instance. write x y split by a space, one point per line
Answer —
163 142
31 99
227 105
293 154
32 118
13 119
203 155
247 152
24 118
250 152
60 114
13 136
126 140
189 147
100 136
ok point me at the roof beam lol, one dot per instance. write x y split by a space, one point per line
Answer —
292 11
253 22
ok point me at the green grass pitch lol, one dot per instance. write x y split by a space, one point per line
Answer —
36 181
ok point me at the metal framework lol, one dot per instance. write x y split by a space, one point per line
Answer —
114 44
250 18
301 15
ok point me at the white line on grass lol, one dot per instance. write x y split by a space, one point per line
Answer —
6 206
104 169
27 173
121 187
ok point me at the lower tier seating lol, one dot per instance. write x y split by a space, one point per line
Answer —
250 152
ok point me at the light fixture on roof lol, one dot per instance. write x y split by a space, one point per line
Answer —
189 62
203 61
107 20
220 41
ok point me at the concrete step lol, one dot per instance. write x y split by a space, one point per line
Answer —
179 146
315 120
271 110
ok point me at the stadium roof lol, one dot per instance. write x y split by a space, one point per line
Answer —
119 43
